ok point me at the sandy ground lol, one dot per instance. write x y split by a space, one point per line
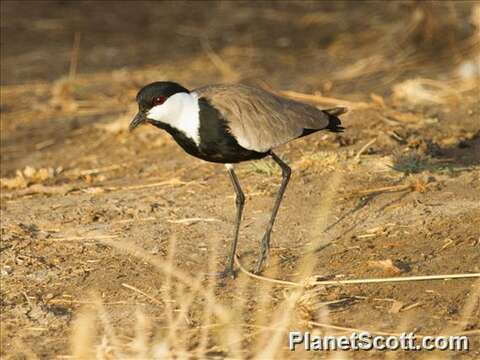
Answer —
92 217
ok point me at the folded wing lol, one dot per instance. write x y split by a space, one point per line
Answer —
260 120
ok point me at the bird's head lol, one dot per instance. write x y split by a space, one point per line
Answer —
156 101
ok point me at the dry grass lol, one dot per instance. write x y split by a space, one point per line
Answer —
228 332
242 328
223 333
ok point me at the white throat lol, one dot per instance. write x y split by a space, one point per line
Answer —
180 111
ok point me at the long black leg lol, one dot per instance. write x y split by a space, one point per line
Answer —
265 245
239 202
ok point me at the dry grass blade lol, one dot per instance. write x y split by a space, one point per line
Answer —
309 282
425 91
189 221
393 279
87 237
225 69
171 182
362 150
282 319
67 301
74 56
394 188
323 100
154 300
99 170
264 278
83 335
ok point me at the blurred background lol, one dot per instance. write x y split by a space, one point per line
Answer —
396 194
314 42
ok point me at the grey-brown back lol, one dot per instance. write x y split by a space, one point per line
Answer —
260 120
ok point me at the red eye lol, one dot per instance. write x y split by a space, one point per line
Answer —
159 100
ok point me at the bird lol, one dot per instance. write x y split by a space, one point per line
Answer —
230 124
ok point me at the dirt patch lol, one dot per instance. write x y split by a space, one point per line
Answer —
107 236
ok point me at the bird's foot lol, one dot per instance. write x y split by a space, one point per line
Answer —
259 265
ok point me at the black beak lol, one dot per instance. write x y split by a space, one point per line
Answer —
137 120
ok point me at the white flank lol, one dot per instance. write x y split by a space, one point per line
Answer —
180 111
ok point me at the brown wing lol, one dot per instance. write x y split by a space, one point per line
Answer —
260 120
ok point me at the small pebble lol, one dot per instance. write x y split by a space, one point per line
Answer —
7 270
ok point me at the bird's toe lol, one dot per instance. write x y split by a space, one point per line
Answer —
227 273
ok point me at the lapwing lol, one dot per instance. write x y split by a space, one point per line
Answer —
230 124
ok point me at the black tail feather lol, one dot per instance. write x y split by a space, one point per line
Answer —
334 123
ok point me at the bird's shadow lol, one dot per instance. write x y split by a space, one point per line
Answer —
465 154
462 156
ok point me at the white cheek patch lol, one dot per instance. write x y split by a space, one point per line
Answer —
182 112
156 113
